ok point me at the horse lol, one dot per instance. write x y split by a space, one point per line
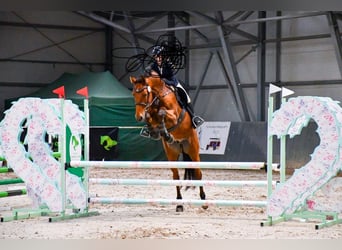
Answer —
157 105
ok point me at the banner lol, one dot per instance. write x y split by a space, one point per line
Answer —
213 137
103 143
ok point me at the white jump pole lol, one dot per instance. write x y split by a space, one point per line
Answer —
86 147
62 144
193 183
110 200
171 164
272 90
284 92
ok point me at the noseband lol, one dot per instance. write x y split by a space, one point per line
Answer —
146 104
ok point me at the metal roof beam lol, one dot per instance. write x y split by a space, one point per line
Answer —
276 18
103 21
231 68
49 26
198 87
196 31
151 21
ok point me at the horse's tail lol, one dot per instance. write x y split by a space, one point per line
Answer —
189 173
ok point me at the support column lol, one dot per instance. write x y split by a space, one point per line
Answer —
109 49
261 67
336 38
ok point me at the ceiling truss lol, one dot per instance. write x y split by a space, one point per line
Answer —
125 24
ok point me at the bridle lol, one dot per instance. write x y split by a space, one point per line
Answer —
150 92
146 104
155 101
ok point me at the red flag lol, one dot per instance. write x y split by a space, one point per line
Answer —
59 91
83 91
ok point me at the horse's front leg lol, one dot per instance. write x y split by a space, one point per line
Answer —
163 131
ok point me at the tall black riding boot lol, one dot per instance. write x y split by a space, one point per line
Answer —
196 120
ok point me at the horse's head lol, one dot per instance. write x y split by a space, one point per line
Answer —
142 94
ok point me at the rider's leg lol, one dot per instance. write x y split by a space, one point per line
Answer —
196 120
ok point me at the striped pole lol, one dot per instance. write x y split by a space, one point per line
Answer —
11 181
12 193
6 170
171 164
110 200
177 164
86 147
194 183
62 149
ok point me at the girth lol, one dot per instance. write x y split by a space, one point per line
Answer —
179 121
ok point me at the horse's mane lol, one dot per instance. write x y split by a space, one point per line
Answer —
156 80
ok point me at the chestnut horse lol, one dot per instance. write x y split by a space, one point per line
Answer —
157 106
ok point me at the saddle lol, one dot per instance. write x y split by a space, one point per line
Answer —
180 95
182 99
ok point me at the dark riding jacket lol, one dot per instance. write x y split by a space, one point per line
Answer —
164 72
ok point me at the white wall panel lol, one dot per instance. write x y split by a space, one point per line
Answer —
309 60
216 105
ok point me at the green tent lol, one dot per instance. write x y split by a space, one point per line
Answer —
110 104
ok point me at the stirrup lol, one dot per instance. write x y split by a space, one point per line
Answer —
197 121
144 132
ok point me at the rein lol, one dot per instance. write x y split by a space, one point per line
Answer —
157 96
145 104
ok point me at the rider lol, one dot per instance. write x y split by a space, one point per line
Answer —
164 70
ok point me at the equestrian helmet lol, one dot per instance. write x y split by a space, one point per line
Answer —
157 50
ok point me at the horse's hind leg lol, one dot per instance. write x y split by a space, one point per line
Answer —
198 176
175 173
195 174
172 153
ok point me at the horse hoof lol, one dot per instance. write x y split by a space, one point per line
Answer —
179 208
205 207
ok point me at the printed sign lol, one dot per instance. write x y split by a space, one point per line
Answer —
104 143
213 137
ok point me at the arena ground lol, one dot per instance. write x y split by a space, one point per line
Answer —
163 222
